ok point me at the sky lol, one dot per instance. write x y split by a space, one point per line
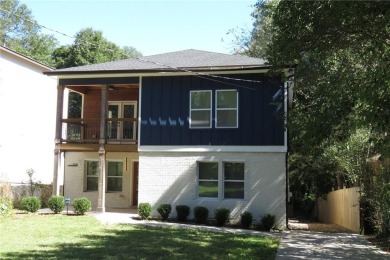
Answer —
151 26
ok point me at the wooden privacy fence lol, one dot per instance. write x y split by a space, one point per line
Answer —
342 208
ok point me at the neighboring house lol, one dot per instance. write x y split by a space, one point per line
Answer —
27 114
189 127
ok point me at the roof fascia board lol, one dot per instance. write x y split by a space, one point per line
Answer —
160 74
25 58
170 70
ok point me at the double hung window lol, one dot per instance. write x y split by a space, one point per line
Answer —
91 175
208 179
225 180
226 109
233 180
114 176
200 109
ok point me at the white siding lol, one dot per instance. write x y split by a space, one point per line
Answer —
27 114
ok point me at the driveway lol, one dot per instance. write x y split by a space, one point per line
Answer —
321 245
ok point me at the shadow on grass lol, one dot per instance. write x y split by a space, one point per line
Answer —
135 242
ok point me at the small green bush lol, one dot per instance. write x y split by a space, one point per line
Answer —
56 203
5 206
31 203
182 212
222 216
268 222
164 210
201 214
144 210
246 219
81 205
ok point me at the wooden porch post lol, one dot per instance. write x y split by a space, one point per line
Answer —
57 140
101 207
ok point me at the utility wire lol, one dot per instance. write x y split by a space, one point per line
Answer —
198 74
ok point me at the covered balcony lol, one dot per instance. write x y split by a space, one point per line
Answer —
101 115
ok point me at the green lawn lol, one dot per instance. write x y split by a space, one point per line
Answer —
83 237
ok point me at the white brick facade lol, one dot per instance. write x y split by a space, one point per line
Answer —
171 177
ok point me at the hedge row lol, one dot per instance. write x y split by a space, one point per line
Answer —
201 215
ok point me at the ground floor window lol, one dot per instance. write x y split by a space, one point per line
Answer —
233 180
114 176
208 179
223 179
91 175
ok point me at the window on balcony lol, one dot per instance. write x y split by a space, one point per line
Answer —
121 124
114 176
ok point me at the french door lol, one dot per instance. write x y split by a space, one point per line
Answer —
121 123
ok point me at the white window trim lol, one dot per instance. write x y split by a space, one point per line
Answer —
238 181
221 109
221 180
107 176
121 105
86 176
202 109
217 180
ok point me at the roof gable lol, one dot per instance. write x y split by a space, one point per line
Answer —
25 59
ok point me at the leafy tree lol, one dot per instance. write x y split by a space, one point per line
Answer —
91 47
340 118
20 32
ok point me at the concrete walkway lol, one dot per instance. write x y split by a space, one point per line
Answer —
294 244
110 218
319 245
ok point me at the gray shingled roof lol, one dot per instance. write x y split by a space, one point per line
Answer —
187 59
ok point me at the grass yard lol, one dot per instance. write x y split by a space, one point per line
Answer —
83 237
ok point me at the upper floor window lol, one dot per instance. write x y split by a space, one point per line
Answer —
200 109
226 109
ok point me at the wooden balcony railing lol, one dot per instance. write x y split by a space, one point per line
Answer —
118 130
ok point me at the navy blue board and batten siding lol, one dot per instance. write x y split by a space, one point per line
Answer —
165 111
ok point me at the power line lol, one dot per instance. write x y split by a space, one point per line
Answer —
198 74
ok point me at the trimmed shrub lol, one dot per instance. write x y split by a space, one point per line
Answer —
246 219
201 214
182 212
222 216
56 203
164 210
268 222
5 206
31 203
81 205
144 210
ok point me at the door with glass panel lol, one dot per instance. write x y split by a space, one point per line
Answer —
121 124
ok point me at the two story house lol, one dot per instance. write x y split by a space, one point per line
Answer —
188 127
